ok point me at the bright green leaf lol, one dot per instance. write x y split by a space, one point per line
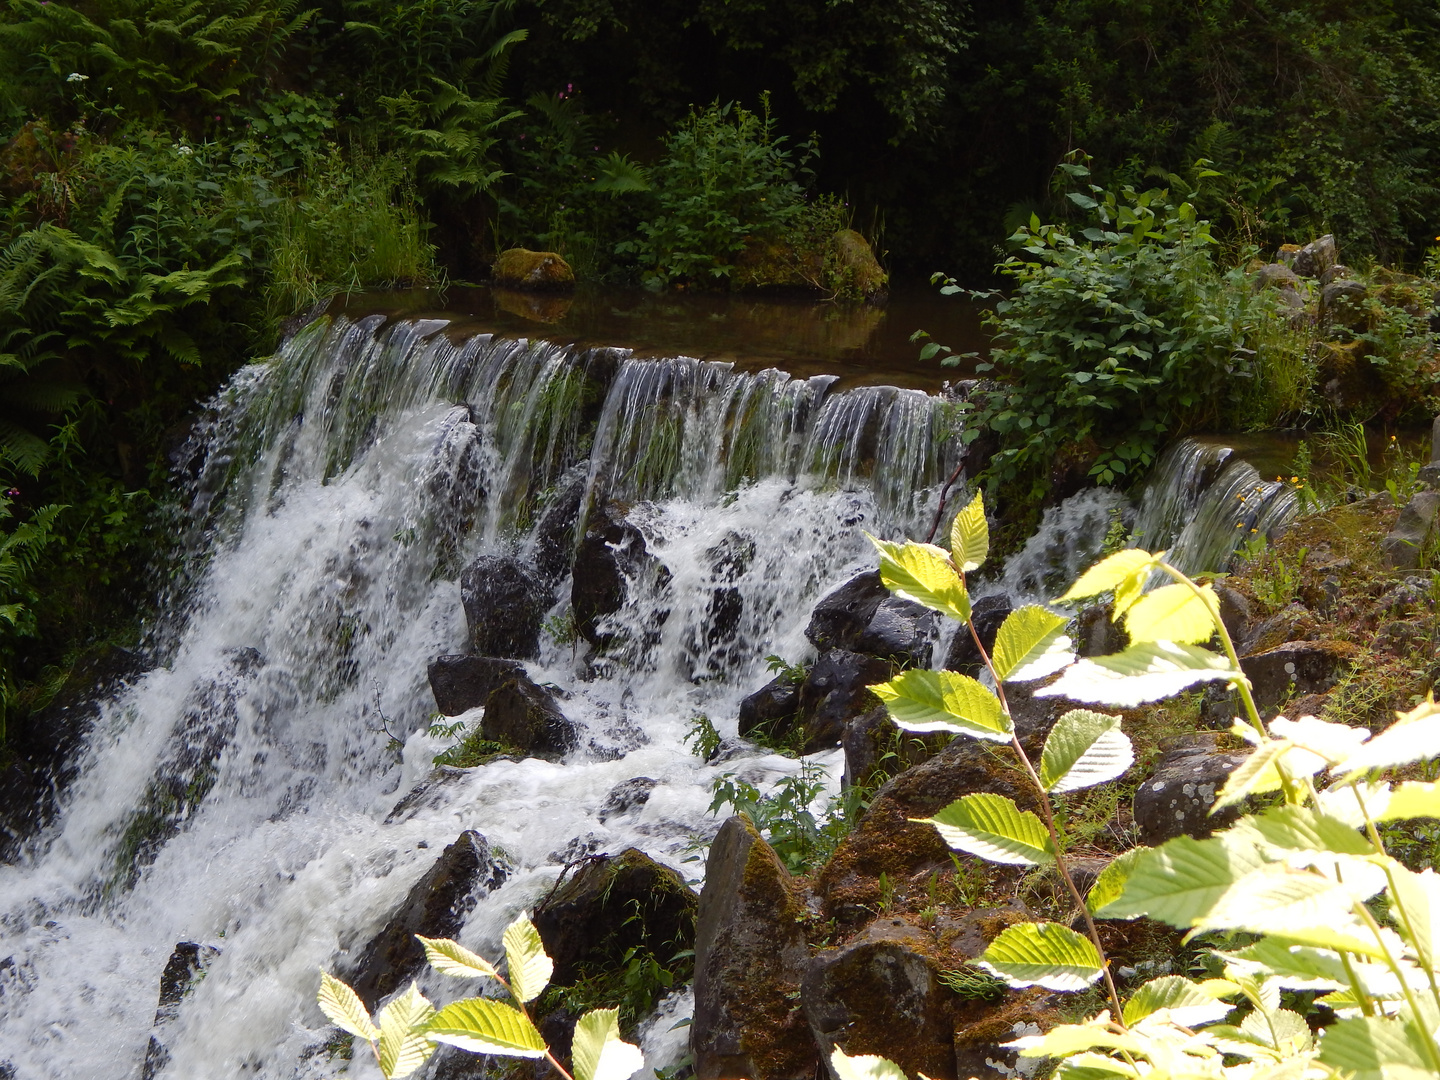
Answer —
1067 1040
1371 1048
1146 672
1417 906
1301 829
404 1045
1255 775
1181 880
1083 749
924 701
864 1067
1174 613
1400 744
529 967
970 536
1276 897
450 958
923 573
1031 644
1043 954
1111 882
1190 1004
1410 799
597 1050
345 1009
1123 573
484 1026
994 828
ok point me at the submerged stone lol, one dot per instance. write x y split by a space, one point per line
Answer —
186 964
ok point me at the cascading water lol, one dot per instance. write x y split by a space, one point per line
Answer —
240 794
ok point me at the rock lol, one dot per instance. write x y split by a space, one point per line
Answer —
555 531
980 1040
1234 612
521 268
1176 800
750 957
857 270
881 994
864 617
1098 634
1316 257
461 683
771 709
504 606
189 960
989 614
436 907
1278 276
1414 529
428 794
611 552
873 744
835 692
523 715
1297 667
626 796
1342 303
612 904
1347 378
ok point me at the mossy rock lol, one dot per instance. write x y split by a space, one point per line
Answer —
857 272
521 268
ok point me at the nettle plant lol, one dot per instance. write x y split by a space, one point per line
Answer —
408 1029
1299 896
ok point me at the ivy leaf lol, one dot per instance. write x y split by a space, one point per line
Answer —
404 1046
970 536
1174 613
864 1067
345 1009
1181 880
994 828
1083 749
451 958
925 701
485 1026
1123 573
1190 1004
1043 954
922 573
530 969
1111 882
1031 645
1150 671
598 1052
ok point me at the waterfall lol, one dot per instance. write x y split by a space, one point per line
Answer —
243 792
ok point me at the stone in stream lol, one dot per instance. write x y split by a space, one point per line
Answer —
435 907
626 796
187 963
462 683
834 693
862 616
611 552
521 268
750 958
554 541
771 709
524 715
505 603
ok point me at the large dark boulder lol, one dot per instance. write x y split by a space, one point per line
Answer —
189 960
461 683
989 614
770 711
626 796
1176 799
612 904
862 616
435 907
750 958
527 717
505 603
554 540
1297 667
611 552
836 692
875 747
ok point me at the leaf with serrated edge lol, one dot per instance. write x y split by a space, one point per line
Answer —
1031 644
1331 742
1083 749
529 968
923 701
1410 799
1399 744
1254 776
1067 1040
1190 1004
1174 613
345 1009
994 828
1302 829
451 958
922 573
404 1046
970 536
485 1026
597 1050
1276 897
1150 671
864 1067
1182 879
1123 571
1042 954
1111 882
1371 1047
1341 802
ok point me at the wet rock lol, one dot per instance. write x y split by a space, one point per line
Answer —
835 692
504 606
521 268
1297 667
428 794
555 531
611 552
1414 529
1098 634
863 617
875 746
841 615
881 994
187 962
626 796
1176 800
462 683
770 711
435 907
750 957
1342 303
1234 612
526 716
1316 257
857 271
612 904
989 614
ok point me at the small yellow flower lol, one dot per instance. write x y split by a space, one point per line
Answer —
1294 479
1239 524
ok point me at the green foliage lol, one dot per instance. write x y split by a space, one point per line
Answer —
702 738
787 817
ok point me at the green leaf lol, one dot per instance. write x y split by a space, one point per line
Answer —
1069 1040
994 828
529 968
1277 898
1174 613
1123 573
450 958
1190 1004
1111 882
970 536
598 1052
1150 671
920 700
1254 776
864 1067
484 1026
1400 744
1416 905
1043 954
345 1009
1301 829
922 573
1031 645
404 1046
1375 1048
1083 749
1181 880
1410 799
